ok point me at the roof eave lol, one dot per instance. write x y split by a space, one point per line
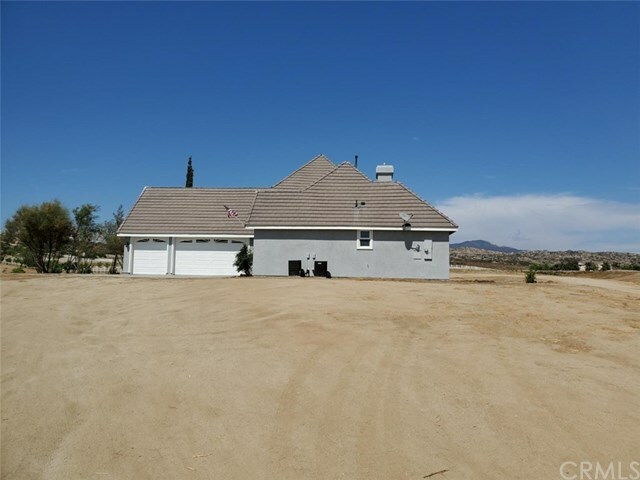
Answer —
187 235
352 227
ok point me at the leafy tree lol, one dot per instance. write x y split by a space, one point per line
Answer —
5 247
545 267
84 236
605 266
114 245
244 260
189 183
21 254
568 264
41 233
590 266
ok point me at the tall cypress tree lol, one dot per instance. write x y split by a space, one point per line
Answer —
189 183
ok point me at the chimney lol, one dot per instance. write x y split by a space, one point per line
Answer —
384 173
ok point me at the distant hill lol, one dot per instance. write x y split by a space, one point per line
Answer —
484 245
462 254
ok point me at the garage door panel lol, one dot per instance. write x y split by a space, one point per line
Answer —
206 258
150 257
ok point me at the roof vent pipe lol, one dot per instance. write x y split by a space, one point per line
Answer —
384 173
356 164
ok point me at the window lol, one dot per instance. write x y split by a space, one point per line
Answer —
365 239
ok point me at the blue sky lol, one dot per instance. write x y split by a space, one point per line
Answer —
521 121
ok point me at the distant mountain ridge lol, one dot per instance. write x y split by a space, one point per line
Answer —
484 245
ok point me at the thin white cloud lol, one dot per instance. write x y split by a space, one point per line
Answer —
546 222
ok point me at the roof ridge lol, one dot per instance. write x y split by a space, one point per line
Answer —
427 203
253 204
343 164
205 188
322 155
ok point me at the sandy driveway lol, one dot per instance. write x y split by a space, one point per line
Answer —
484 376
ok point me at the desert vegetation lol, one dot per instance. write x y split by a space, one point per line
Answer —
546 261
51 239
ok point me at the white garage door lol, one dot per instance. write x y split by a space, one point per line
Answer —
206 257
150 256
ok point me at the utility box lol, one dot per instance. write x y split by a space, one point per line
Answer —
428 249
295 266
320 269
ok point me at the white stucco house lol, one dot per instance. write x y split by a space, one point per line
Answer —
322 218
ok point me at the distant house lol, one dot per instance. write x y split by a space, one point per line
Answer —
322 219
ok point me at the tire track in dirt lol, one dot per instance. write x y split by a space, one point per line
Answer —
394 407
331 444
556 428
285 453
378 410
456 435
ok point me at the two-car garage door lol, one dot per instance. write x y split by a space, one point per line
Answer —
192 256
206 257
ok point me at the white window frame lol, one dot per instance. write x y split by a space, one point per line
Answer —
359 239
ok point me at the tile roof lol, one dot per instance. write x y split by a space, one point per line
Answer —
306 175
319 194
192 211
331 202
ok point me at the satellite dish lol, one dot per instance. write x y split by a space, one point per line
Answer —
406 216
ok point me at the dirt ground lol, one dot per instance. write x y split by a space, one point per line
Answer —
483 376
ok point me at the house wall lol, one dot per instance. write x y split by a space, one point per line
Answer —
393 254
125 256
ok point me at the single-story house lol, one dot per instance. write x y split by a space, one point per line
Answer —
323 219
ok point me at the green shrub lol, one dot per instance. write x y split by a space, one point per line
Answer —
18 270
68 266
244 261
541 267
530 276
630 266
568 264
84 268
